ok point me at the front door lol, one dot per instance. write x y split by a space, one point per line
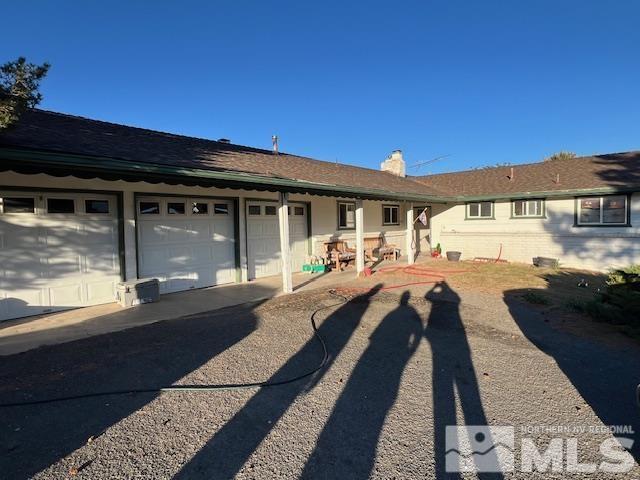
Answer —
422 232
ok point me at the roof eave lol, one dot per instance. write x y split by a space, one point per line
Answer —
38 161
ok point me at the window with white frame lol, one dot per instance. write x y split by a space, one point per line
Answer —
606 210
528 208
390 215
480 210
346 215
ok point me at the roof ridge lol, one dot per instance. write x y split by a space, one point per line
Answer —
179 135
539 162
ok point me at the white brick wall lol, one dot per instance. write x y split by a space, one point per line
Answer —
598 248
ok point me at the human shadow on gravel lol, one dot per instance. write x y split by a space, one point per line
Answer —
347 445
34 437
226 452
453 372
605 377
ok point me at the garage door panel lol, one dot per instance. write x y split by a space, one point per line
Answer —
22 303
66 295
18 236
20 264
102 263
101 291
152 233
223 231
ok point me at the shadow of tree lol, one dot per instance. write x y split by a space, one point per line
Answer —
605 376
35 437
227 451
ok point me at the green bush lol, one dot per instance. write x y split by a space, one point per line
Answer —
620 303
536 298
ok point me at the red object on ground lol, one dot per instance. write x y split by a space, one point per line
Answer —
434 275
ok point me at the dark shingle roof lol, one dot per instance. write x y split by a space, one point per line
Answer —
615 170
61 133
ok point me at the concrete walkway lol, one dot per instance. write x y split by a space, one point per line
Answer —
31 332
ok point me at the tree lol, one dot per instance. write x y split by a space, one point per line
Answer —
562 155
19 83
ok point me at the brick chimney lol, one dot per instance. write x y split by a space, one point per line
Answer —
394 164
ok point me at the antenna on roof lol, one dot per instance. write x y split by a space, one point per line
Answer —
428 162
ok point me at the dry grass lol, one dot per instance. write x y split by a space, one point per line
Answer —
558 286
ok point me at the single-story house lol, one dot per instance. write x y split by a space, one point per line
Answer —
85 204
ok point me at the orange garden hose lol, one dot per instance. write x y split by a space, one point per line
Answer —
434 275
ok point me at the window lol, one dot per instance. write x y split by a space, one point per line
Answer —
346 215
199 208
298 210
221 209
175 208
254 209
149 208
269 210
479 210
528 208
609 210
61 205
96 206
390 214
18 205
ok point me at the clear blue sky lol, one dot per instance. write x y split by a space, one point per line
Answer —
482 81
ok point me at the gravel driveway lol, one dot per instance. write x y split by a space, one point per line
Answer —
403 366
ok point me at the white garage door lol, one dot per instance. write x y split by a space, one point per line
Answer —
186 242
263 238
57 251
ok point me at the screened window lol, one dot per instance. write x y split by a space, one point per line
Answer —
149 208
254 209
221 209
346 215
18 205
480 210
61 205
528 208
390 214
175 208
96 206
199 208
608 210
270 210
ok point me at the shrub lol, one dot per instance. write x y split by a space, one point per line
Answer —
620 303
536 298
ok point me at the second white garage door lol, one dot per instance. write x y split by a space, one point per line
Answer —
263 238
186 242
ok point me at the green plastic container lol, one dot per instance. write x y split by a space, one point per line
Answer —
314 268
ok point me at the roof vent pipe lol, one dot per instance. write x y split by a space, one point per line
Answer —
274 141
511 176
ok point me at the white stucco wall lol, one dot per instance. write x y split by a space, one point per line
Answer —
598 248
324 221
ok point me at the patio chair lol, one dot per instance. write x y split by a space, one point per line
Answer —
338 253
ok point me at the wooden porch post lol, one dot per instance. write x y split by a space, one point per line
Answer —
410 219
359 237
285 250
